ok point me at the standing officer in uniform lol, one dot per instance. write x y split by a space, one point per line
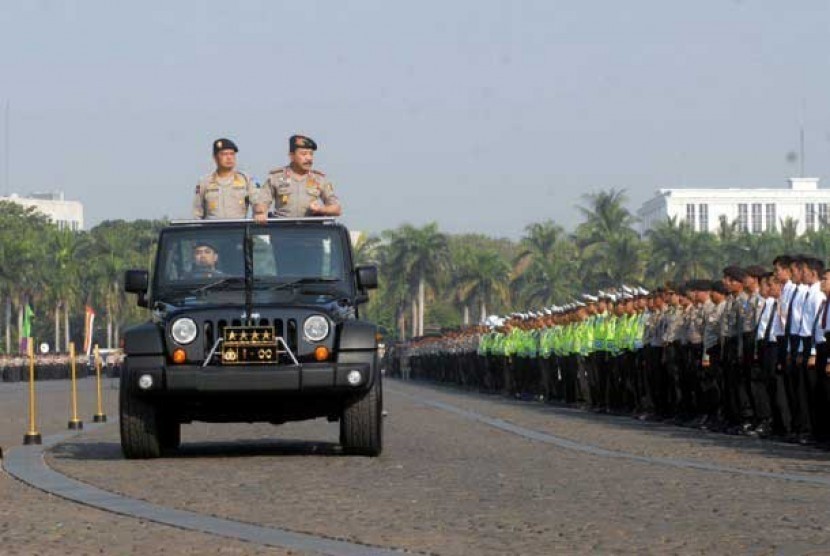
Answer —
297 190
227 192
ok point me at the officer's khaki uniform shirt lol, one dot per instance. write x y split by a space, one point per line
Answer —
674 325
694 324
219 198
289 195
713 323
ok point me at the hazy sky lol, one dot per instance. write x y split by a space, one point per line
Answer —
481 115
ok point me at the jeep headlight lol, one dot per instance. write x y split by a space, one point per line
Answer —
184 331
316 328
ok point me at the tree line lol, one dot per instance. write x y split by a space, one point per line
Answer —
447 280
58 272
428 278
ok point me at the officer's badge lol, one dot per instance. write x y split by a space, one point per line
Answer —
284 199
219 144
212 205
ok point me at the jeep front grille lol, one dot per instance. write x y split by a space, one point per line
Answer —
285 328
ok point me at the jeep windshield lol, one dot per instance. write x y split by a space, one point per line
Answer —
210 260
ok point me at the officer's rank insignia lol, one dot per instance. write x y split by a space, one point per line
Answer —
219 144
284 199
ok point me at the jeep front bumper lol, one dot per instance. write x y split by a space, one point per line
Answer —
251 378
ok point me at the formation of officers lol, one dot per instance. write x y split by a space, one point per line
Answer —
746 354
296 190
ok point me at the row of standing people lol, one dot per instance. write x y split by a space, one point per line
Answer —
297 190
746 353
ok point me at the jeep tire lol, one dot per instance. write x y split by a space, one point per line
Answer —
170 434
361 424
140 421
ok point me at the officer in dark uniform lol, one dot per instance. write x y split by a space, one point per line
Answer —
205 261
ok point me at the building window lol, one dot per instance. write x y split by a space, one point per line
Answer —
822 215
771 219
690 215
743 218
810 220
756 218
703 214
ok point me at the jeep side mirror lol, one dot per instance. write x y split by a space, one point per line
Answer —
367 277
137 282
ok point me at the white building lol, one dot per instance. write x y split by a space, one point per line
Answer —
66 214
754 210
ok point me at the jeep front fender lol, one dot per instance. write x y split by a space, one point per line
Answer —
143 339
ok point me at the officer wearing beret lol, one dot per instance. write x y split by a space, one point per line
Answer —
227 192
297 190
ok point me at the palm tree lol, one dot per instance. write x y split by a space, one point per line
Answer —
678 253
365 249
817 244
421 257
543 272
65 284
482 276
789 235
606 232
23 265
605 217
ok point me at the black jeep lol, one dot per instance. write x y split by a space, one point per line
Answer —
251 323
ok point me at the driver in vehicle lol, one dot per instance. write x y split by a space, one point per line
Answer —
205 259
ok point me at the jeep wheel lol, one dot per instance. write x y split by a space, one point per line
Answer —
170 434
140 422
361 425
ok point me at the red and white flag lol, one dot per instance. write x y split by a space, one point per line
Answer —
88 322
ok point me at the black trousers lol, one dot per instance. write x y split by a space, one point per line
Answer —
772 375
731 392
820 392
795 381
710 378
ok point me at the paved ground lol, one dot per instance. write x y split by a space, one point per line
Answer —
32 522
446 484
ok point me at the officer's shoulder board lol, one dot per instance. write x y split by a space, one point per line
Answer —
279 170
319 173
204 184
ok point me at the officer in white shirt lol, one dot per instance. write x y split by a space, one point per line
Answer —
804 309
768 336
820 386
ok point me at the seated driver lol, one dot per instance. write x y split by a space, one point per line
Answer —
205 258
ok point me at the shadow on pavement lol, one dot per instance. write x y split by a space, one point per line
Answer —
110 451
807 459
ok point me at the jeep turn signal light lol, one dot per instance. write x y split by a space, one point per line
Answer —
179 356
321 353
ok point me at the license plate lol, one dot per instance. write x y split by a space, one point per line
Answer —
249 345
